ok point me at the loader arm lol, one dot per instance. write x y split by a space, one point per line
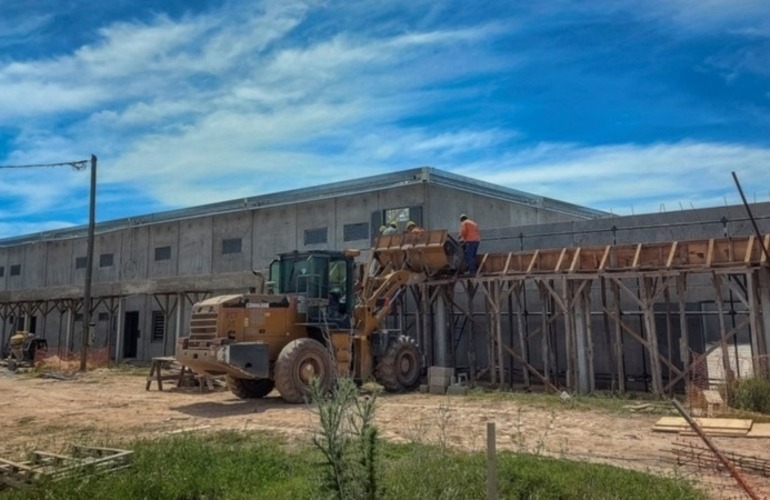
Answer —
368 316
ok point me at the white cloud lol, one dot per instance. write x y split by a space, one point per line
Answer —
234 102
644 177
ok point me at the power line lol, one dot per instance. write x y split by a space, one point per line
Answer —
77 165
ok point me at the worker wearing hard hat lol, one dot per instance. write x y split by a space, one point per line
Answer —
470 239
392 228
412 227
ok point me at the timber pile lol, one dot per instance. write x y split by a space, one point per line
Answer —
711 426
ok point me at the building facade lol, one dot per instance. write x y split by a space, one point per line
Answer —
148 270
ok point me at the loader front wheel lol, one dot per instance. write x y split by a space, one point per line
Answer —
246 388
301 361
400 368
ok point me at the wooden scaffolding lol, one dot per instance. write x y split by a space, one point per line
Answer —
646 317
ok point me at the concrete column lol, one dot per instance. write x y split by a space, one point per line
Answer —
68 335
440 331
180 303
764 300
581 342
119 332
3 342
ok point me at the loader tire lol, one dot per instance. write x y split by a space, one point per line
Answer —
400 367
246 388
300 361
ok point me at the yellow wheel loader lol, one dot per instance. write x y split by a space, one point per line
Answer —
317 319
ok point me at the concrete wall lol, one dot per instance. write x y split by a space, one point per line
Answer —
445 206
196 249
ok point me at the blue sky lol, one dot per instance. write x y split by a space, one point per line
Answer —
621 105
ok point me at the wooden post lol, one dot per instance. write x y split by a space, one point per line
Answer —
684 336
618 343
492 324
523 344
667 298
589 339
764 303
646 286
471 332
755 325
498 297
544 348
491 462
729 375
569 345
607 335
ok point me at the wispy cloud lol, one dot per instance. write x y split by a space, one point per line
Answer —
629 177
587 102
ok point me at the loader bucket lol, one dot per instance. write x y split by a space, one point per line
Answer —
429 252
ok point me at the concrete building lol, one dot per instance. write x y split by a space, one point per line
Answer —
149 269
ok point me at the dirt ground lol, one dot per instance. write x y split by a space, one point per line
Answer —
106 406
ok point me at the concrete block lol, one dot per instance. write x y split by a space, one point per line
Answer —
441 371
457 390
436 389
439 380
424 388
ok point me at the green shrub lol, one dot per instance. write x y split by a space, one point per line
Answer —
752 394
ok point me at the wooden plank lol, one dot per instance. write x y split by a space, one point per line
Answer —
575 260
507 263
710 253
717 433
561 259
532 261
605 258
749 250
761 430
705 423
637 255
672 254
483 261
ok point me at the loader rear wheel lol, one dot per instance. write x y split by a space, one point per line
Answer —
246 388
399 369
301 361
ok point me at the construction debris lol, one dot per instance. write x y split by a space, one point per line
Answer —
711 426
701 457
717 453
85 460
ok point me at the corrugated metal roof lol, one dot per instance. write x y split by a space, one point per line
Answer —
322 192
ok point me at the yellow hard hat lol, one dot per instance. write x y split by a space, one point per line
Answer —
410 224
393 224
382 228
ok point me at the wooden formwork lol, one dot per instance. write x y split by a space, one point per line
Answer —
543 313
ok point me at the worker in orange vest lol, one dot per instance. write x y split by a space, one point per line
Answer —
470 239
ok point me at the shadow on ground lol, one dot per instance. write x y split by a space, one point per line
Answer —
232 407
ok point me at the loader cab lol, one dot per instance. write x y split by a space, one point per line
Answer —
322 282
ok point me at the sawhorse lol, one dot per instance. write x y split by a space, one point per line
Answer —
156 372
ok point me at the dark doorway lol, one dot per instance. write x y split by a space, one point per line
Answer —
130 334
